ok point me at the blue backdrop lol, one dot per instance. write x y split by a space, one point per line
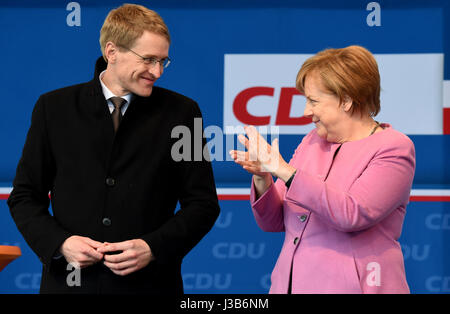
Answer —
41 52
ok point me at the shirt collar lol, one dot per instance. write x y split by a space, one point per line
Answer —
108 94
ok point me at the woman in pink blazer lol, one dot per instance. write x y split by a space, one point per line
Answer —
341 199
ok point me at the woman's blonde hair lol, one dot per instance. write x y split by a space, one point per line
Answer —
124 25
346 72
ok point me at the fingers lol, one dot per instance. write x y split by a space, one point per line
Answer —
135 255
242 158
255 136
128 257
260 156
81 251
91 254
122 264
275 144
250 166
244 141
251 132
253 143
124 268
93 243
120 257
90 250
114 247
239 155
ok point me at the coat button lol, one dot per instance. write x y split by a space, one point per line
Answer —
295 240
110 182
106 222
302 218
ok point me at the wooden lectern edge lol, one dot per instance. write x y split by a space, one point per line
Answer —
10 250
8 254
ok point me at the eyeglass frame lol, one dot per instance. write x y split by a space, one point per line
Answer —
151 60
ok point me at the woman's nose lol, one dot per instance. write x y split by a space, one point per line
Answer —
308 111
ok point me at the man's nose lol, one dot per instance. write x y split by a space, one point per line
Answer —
156 70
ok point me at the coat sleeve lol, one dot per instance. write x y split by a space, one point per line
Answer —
384 186
199 206
29 199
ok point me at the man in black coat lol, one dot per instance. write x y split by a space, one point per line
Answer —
104 151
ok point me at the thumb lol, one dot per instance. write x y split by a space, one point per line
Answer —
275 144
93 243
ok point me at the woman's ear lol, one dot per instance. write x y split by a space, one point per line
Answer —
347 104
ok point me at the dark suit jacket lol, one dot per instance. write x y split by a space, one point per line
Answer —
129 178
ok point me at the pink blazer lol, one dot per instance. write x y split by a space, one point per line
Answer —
342 217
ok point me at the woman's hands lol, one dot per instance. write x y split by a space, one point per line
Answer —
261 159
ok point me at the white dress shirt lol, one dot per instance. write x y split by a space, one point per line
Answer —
108 94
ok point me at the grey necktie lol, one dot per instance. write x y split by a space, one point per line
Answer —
117 113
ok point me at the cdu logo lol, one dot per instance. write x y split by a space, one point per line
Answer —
28 281
259 90
224 220
416 252
437 284
204 281
237 250
438 222
265 281
252 96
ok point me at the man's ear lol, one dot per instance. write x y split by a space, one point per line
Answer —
347 103
111 52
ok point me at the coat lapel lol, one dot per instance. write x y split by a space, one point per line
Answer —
100 109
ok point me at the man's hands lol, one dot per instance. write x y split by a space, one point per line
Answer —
130 255
81 251
134 255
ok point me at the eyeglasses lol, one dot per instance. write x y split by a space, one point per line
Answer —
152 60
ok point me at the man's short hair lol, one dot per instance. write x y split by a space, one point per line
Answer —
125 24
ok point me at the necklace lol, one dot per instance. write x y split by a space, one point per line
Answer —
376 127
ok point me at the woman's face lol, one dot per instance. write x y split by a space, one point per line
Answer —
324 109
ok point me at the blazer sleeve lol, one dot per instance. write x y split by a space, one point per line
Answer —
384 186
268 208
199 206
29 199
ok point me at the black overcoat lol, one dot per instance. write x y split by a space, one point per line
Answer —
112 186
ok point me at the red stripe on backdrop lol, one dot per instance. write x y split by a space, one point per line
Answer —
446 125
429 198
246 197
238 197
241 197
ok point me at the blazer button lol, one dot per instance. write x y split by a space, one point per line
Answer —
106 222
302 218
296 241
110 182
